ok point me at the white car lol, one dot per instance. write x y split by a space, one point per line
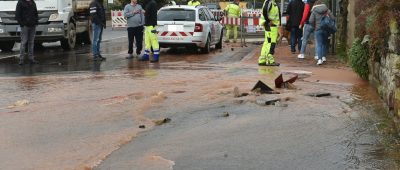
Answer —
188 26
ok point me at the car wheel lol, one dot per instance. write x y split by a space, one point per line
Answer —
206 49
219 45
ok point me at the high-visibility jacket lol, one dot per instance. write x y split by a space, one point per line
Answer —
233 10
193 3
271 13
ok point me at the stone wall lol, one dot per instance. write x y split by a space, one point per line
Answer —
385 74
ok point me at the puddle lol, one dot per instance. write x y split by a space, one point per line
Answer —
384 152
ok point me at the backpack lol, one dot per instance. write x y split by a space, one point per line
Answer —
328 24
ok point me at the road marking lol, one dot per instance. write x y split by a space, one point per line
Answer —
15 55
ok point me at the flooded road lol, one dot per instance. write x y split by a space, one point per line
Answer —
81 114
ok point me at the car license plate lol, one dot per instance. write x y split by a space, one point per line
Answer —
18 29
174 27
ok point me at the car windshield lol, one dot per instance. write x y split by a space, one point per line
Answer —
176 14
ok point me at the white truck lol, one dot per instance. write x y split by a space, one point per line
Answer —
59 20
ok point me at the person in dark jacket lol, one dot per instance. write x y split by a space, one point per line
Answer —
98 17
27 16
150 32
295 13
308 29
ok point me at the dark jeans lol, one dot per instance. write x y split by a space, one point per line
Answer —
295 38
135 33
322 43
97 36
27 41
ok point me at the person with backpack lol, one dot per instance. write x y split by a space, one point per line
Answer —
308 29
319 12
295 13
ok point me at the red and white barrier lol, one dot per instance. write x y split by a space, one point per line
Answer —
230 21
117 19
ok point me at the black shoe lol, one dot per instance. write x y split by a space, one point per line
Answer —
273 64
21 63
154 61
98 58
33 61
102 58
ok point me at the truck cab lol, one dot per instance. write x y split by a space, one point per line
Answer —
59 20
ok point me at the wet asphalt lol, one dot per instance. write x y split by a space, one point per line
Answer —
69 112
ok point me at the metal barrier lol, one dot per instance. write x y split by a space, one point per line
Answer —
118 20
248 24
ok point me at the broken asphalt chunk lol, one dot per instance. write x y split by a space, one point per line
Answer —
236 93
318 94
162 121
226 114
261 87
267 102
279 82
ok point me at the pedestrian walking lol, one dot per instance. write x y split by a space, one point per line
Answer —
27 17
135 20
98 16
295 13
271 20
150 32
232 11
317 12
308 29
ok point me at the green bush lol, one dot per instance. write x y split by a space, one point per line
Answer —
358 58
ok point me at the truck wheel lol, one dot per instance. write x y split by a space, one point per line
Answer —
6 46
69 42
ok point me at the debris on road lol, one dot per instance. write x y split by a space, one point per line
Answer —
262 88
236 93
19 103
280 104
142 126
162 121
318 94
264 102
225 114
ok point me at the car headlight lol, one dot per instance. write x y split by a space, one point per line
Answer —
55 17
0 20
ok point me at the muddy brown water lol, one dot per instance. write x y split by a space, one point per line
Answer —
84 118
